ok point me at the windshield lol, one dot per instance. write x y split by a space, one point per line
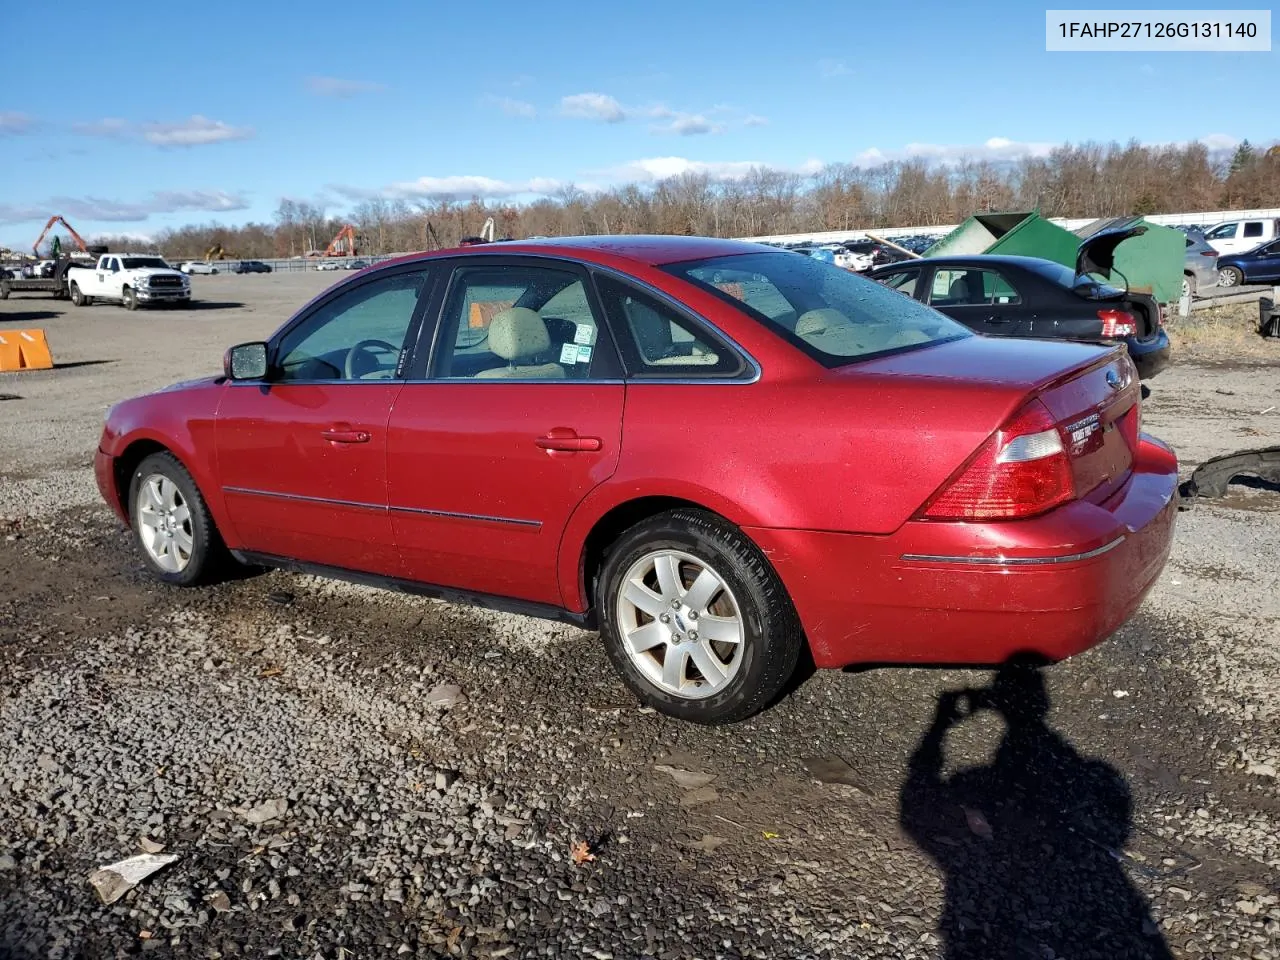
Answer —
139 263
833 315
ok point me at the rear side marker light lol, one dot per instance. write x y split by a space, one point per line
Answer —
1117 324
1022 470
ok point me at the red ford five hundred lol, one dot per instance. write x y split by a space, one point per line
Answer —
715 452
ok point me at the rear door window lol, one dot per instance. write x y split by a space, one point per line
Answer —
1252 228
658 341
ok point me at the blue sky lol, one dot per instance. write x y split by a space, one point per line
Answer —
172 113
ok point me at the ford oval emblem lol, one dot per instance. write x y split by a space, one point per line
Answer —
1113 380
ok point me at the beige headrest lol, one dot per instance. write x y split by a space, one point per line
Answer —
518 333
816 322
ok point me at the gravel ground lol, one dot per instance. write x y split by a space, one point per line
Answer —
347 773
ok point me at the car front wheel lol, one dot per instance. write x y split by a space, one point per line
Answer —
695 620
1230 277
129 299
178 540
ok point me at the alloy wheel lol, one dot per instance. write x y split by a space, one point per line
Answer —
681 624
164 523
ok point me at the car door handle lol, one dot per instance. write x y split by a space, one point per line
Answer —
346 436
566 441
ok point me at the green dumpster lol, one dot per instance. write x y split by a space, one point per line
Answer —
1150 263
1022 234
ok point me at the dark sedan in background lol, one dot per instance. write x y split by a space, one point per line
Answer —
1011 296
252 266
1259 265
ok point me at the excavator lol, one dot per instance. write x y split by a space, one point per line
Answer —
216 252
57 242
343 244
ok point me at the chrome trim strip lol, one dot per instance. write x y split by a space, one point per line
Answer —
272 494
452 515
1014 561
449 514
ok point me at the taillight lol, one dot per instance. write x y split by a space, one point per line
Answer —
1209 253
1116 324
1021 471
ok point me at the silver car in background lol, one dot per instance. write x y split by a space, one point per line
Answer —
1200 269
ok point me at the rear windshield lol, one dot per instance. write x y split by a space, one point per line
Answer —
1086 285
833 315
138 263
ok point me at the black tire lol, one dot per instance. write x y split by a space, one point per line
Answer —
4 290
1230 277
209 556
214 271
77 298
1188 285
772 634
128 299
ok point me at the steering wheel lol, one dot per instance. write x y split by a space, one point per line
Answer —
367 348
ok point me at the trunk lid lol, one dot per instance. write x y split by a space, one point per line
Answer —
1097 414
1097 254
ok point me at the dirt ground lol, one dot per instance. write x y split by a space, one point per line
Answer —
1138 816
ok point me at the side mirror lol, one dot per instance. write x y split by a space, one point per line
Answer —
245 361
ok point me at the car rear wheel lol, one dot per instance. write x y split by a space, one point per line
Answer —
1188 285
1230 277
129 299
178 540
695 620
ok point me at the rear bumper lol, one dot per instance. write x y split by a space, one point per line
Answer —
980 593
1151 356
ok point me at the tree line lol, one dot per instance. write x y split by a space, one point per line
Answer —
1084 180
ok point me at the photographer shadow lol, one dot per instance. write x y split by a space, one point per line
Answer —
1026 842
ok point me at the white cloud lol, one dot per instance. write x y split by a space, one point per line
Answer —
833 68
452 188
650 169
754 120
109 127
513 107
196 131
602 107
338 87
13 123
687 125
193 132
593 106
1220 141
995 149
118 211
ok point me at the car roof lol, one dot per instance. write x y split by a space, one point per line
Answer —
642 249
971 260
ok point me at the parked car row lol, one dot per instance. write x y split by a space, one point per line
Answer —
1011 296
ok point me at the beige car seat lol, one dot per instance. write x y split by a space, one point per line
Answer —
519 336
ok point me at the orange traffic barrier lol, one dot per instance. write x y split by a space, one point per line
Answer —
482 311
24 350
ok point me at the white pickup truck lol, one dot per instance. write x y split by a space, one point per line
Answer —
132 279
1241 236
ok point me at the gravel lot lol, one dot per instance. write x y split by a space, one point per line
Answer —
345 773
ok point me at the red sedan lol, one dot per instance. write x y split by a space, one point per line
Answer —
715 452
